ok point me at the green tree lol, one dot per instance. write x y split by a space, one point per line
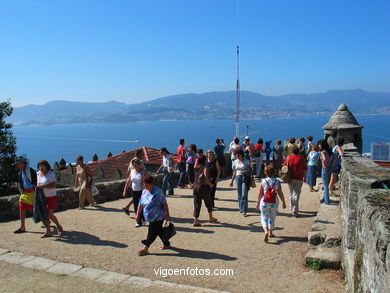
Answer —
7 148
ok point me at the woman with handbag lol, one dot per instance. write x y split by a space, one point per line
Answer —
84 179
202 186
213 168
267 201
242 175
154 208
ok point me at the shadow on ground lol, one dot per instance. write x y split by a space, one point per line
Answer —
181 252
77 237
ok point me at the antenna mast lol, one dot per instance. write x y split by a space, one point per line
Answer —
238 82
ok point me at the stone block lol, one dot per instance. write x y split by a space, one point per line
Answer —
40 263
318 227
89 273
2 251
112 278
64 268
163 283
315 238
329 258
139 282
15 257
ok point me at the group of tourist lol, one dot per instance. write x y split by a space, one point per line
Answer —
199 172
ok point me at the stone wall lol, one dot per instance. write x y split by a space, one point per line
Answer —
365 210
68 198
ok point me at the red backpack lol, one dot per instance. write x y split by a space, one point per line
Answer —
270 195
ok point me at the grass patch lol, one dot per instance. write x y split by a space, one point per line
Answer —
314 264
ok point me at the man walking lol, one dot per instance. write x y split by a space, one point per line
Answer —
181 163
297 168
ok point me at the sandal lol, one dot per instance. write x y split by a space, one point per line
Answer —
266 238
46 235
143 252
60 231
213 220
19 231
165 247
197 224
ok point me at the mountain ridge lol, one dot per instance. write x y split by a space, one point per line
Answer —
209 105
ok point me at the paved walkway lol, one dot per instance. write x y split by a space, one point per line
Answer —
104 238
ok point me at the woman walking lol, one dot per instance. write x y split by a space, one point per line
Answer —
167 166
84 180
258 154
326 158
312 168
135 182
190 162
201 191
46 181
154 208
267 201
214 171
277 156
241 174
338 153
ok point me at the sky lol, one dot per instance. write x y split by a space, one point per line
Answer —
132 51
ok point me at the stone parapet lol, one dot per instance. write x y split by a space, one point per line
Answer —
69 198
365 212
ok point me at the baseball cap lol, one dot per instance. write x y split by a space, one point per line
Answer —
246 137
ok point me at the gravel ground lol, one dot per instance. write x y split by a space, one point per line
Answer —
104 237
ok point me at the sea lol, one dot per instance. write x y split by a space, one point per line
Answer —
54 142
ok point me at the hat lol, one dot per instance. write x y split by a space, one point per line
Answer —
246 137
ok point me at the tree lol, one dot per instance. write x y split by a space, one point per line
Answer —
7 148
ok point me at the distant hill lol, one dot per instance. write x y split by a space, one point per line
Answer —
212 105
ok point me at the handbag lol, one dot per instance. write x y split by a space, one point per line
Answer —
94 190
168 230
285 173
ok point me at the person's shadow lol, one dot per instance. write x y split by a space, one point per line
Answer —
182 252
82 238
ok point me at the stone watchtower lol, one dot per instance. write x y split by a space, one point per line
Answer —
345 124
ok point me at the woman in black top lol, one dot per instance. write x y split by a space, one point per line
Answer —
201 191
214 170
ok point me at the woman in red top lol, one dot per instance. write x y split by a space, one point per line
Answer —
258 154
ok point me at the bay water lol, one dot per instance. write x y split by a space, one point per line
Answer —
53 142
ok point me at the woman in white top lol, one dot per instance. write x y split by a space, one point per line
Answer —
47 181
241 173
167 166
135 181
267 201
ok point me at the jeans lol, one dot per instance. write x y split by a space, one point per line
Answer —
166 184
325 174
182 172
242 193
136 198
295 187
259 163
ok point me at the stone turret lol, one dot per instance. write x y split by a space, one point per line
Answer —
344 123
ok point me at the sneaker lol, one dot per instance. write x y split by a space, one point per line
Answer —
137 225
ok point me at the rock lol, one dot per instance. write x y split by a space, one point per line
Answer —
328 258
315 238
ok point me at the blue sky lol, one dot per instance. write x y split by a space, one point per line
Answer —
133 51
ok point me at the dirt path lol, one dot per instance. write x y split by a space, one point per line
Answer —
104 238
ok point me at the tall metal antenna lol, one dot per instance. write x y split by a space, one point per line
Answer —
238 80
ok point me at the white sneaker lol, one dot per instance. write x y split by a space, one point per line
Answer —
137 225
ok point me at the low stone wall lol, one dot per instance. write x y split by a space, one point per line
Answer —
366 226
69 199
